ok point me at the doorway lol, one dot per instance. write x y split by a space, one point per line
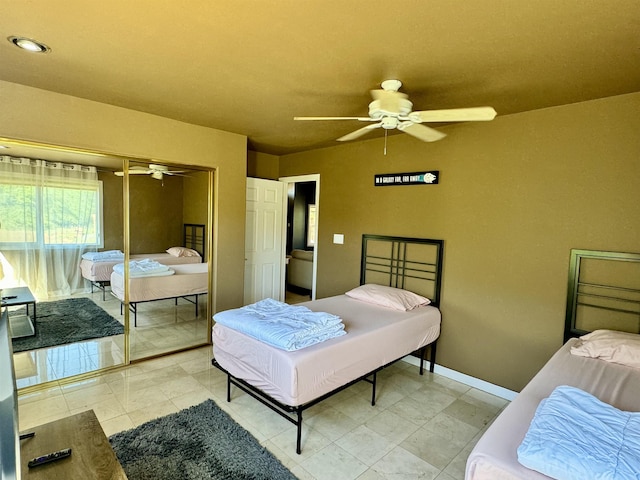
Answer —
303 208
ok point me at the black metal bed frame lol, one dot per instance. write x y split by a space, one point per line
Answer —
398 264
133 306
588 292
100 285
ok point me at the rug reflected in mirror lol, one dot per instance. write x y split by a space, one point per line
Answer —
67 321
200 442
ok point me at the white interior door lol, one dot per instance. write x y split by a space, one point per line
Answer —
264 241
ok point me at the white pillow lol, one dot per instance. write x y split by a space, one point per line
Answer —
182 252
611 346
390 297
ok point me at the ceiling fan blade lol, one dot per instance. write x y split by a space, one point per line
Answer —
133 172
422 132
359 132
362 119
473 114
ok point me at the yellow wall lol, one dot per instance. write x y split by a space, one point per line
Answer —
112 212
46 117
155 213
196 186
262 165
515 195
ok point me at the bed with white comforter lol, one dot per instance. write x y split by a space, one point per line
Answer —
374 336
495 456
579 417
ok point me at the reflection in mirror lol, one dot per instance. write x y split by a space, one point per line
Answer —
53 203
163 202
168 271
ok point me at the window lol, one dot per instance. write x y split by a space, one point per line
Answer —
55 214
311 225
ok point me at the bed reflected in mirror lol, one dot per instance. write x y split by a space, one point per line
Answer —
168 270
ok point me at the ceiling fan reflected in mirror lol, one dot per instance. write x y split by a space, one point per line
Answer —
156 171
391 109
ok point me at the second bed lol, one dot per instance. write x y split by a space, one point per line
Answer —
289 382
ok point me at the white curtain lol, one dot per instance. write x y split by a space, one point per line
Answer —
49 216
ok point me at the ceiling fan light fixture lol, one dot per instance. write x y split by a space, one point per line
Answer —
29 44
157 175
391 109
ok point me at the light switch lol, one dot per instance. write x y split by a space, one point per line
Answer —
338 238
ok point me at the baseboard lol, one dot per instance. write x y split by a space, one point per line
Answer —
496 390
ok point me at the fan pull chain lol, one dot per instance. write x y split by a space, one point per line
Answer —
385 141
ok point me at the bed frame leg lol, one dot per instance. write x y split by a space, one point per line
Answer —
135 315
433 355
373 389
299 433
228 388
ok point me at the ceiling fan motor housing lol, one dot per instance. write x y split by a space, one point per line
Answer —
389 107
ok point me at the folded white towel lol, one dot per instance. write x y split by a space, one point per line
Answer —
143 268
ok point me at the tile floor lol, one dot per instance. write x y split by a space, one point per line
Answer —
421 427
162 327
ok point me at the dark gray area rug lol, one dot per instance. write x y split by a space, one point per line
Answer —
67 321
200 442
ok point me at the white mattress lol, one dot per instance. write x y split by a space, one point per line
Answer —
101 271
375 336
189 279
494 457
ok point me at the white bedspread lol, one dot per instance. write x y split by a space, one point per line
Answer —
575 436
289 327
144 268
494 457
105 255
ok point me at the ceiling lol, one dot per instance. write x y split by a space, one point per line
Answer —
250 66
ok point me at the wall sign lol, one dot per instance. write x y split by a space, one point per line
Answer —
412 178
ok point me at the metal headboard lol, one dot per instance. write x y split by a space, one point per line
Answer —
193 237
603 292
413 264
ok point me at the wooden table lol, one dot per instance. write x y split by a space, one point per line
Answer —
92 457
21 325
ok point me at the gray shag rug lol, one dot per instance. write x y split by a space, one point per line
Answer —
200 442
67 321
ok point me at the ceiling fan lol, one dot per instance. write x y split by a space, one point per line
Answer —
391 109
156 171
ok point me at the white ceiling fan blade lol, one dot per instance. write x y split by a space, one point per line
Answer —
422 132
133 172
359 132
362 119
473 114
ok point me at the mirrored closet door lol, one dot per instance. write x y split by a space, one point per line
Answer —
59 207
168 270
156 215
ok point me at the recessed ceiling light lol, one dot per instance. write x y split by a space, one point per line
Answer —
29 44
